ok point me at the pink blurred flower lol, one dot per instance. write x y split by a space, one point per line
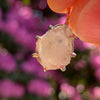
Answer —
95 93
24 38
7 62
25 12
32 66
68 89
40 87
77 97
11 89
21 24
20 35
95 61
70 92
62 20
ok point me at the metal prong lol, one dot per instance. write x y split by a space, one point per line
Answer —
50 27
37 37
45 69
73 54
62 68
35 55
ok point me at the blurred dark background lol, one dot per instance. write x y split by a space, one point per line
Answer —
22 77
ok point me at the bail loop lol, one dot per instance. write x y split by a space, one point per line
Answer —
67 17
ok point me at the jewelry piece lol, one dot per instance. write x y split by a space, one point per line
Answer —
55 48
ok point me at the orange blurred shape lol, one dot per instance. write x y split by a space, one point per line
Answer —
60 6
84 17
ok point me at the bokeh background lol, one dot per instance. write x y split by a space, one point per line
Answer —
22 77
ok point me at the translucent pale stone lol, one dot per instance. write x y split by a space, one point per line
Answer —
55 47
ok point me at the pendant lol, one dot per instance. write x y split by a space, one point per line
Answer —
55 48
